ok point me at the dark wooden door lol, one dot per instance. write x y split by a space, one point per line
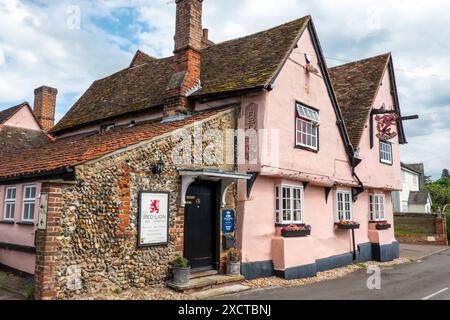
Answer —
200 231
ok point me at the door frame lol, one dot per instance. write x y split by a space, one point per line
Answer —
215 186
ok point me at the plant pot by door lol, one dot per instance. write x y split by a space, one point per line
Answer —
181 275
233 268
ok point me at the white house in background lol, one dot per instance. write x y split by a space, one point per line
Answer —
412 199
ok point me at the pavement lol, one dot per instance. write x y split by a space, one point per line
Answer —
13 287
428 278
417 251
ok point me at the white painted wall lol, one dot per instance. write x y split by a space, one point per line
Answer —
410 183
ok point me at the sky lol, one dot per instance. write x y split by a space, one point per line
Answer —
69 44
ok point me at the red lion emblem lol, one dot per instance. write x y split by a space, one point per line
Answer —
154 206
384 126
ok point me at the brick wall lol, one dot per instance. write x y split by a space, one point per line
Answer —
47 245
424 229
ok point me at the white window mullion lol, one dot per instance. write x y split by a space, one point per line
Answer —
29 203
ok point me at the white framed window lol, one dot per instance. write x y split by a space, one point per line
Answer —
307 127
377 207
29 203
289 204
385 152
10 203
344 206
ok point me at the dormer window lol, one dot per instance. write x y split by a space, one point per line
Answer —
307 128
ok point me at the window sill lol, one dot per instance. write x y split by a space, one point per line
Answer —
7 222
307 149
25 223
282 225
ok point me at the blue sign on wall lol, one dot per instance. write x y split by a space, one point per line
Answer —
228 221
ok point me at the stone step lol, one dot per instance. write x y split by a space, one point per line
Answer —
206 283
203 274
217 292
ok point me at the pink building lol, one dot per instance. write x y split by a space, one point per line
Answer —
317 159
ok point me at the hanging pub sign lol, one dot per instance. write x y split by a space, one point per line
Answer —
153 223
385 123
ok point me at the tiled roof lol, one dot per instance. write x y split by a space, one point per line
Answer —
356 85
75 150
8 113
245 63
13 140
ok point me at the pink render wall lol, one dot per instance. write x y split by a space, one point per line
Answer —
23 119
258 237
18 234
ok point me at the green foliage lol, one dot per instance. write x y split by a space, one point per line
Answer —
233 255
448 225
180 262
403 232
440 195
117 291
29 293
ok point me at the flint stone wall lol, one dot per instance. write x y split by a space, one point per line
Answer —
98 242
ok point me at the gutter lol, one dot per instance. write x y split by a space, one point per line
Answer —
65 174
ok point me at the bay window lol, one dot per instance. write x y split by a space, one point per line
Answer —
10 203
344 206
307 127
377 207
29 203
289 204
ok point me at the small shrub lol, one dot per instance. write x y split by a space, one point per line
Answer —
117 291
29 293
180 262
233 255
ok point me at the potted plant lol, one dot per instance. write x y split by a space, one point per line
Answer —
233 263
347 225
383 225
181 270
295 231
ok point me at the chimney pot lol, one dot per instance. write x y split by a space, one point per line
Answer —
45 106
206 34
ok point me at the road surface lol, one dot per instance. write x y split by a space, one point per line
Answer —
428 279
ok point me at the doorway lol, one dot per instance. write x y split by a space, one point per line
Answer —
201 221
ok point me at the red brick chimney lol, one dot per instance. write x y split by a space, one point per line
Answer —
44 106
186 61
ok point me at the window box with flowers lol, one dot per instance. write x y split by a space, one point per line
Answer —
347 225
296 231
383 226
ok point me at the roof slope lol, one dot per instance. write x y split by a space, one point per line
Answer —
245 63
13 139
356 85
75 150
8 113
418 197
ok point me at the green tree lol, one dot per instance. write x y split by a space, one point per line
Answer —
445 174
440 195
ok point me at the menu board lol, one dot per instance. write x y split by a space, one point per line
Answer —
153 229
